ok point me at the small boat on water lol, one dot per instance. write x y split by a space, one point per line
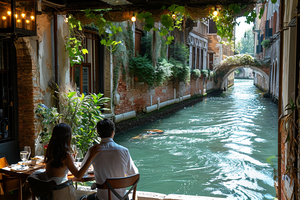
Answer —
153 132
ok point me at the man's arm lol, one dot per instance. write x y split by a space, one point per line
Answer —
131 168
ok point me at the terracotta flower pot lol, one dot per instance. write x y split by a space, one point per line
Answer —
136 79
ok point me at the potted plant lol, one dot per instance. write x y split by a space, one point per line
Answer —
204 73
81 112
196 73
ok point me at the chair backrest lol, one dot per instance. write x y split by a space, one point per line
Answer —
48 189
41 188
3 162
116 183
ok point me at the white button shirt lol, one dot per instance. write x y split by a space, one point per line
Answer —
112 161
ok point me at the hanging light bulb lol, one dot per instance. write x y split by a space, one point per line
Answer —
174 16
133 18
23 15
9 13
32 17
216 12
16 16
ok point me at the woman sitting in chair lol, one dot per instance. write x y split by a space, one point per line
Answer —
58 157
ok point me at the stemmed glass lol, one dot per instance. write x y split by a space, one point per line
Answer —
23 155
28 149
74 151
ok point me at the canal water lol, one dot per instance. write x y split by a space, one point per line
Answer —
218 147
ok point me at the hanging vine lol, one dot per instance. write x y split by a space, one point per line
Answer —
290 132
174 19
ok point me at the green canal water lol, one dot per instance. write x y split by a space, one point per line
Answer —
218 147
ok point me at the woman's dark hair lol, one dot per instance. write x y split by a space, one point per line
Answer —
105 128
59 145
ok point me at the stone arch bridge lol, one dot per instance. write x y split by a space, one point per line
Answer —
223 70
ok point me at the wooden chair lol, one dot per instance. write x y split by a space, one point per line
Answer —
8 183
48 189
117 183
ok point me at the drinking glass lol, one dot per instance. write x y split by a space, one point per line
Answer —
74 151
79 156
28 149
23 155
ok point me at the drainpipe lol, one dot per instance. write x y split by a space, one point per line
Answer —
296 88
55 53
280 95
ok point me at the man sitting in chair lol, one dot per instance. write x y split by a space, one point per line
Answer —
113 161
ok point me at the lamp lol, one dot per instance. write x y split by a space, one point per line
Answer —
216 12
18 18
133 18
174 16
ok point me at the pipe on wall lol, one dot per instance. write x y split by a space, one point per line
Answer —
297 89
280 95
165 103
124 116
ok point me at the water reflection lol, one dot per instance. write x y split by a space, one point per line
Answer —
216 148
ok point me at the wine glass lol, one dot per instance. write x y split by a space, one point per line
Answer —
28 149
79 156
74 151
23 155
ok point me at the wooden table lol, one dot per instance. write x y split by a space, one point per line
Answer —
24 174
90 177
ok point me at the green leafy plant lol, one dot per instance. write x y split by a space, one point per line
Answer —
225 19
146 45
82 114
106 29
180 71
265 44
74 44
179 52
49 117
196 73
205 73
142 68
164 71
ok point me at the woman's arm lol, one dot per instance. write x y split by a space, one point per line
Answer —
70 162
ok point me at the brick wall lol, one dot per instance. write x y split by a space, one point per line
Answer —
137 95
28 94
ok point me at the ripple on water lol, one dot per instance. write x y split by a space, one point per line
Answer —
216 148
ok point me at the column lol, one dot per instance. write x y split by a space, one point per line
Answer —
195 57
199 58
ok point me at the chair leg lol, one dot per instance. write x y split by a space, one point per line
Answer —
20 190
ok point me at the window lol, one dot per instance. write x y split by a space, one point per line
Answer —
211 26
7 91
88 77
138 39
82 77
211 61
